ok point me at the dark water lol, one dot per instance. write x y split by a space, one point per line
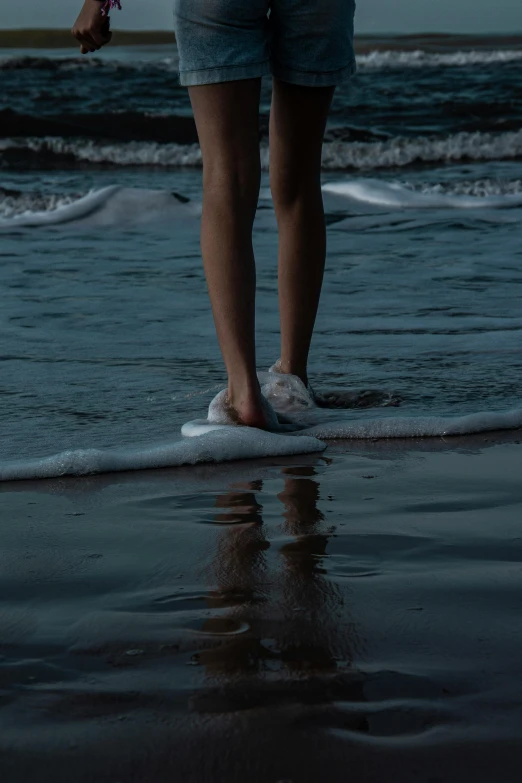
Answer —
107 336
424 107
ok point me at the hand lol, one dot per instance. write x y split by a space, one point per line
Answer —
92 29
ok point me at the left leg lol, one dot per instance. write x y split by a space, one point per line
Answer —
297 124
227 120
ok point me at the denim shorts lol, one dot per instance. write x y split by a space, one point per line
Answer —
307 42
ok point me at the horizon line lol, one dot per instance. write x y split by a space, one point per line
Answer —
369 34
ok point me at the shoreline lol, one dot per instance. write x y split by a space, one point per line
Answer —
435 42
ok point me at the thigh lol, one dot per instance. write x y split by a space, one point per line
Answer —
227 120
312 42
221 40
297 123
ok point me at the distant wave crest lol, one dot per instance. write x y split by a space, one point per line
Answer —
404 151
420 59
397 152
374 60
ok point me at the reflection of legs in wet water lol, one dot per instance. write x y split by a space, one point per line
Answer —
313 606
278 645
300 626
239 569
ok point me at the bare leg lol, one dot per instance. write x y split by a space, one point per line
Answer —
228 127
297 125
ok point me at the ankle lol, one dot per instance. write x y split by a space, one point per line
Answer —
244 391
287 367
246 406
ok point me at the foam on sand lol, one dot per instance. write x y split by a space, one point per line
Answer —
225 445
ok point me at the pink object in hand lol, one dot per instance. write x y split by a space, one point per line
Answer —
108 4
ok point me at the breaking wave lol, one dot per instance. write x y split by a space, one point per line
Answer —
397 152
373 60
403 151
121 205
112 204
467 195
420 59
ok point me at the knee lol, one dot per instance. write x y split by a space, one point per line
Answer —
292 185
232 182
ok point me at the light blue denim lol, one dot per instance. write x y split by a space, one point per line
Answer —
307 42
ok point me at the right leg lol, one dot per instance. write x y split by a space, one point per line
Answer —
227 123
223 53
297 125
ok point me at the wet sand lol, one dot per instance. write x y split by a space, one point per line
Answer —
348 616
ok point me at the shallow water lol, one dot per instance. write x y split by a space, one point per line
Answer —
107 338
421 302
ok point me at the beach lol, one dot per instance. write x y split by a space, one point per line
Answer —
341 602
281 620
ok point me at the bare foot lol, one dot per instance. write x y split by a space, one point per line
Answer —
257 412
248 412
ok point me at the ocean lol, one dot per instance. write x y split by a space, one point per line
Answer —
261 606
108 338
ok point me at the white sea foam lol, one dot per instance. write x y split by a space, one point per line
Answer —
417 426
288 395
394 194
216 439
385 427
112 204
482 188
379 60
16 203
115 205
129 153
396 152
404 151
229 443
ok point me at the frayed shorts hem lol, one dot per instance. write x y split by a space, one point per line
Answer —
232 73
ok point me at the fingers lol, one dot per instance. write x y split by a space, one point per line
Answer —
101 37
88 42
92 43
100 33
94 36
